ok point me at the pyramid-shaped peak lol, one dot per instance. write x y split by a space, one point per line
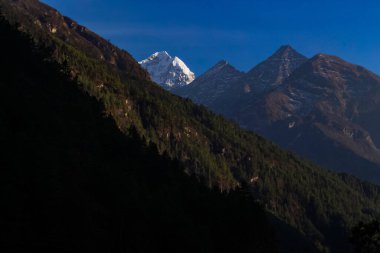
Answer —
287 51
220 64
158 56
167 71
162 54
275 69
286 47
285 58
224 62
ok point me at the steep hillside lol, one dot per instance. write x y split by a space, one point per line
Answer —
72 182
39 17
317 204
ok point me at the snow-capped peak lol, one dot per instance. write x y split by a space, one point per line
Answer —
158 55
167 71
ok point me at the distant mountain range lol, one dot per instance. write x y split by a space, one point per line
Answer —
323 108
167 71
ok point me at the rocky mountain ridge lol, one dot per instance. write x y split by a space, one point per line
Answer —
308 106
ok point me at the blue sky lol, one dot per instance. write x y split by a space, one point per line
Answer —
243 32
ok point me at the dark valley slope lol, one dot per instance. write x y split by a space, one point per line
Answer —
318 205
72 182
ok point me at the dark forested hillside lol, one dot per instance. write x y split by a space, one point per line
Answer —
72 182
366 237
58 123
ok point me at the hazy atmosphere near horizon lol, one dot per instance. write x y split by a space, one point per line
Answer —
243 32
190 126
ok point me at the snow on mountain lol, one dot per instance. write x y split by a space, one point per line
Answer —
167 71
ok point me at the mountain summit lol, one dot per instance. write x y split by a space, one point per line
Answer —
228 89
274 70
210 85
167 71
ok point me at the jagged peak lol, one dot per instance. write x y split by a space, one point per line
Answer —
287 51
164 53
285 48
221 63
167 71
159 55
275 69
220 66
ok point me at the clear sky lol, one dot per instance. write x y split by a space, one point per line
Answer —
243 32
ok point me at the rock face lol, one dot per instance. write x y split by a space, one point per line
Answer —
167 71
272 72
324 108
327 110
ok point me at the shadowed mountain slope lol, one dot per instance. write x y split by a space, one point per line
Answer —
72 182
